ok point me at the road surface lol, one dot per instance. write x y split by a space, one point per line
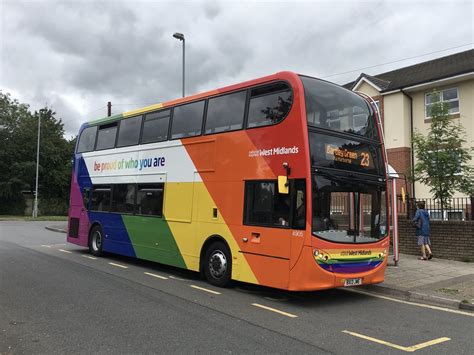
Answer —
57 298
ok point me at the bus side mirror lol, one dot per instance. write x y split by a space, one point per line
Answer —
283 185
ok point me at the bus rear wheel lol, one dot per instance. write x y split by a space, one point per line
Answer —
96 241
218 264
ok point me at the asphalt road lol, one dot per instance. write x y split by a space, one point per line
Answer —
55 298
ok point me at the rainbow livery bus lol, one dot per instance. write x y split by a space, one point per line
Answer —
279 181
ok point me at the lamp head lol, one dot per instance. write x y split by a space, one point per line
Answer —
179 36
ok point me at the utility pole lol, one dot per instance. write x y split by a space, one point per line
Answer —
184 66
35 206
109 109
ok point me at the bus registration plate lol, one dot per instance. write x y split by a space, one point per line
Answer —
353 282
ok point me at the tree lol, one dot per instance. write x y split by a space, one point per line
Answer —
18 137
442 158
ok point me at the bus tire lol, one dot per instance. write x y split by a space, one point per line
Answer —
218 264
96 241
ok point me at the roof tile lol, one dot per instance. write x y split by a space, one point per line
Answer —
436 69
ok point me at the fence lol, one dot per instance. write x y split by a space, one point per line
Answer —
453 209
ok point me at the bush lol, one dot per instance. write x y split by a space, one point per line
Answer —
14 205
53 207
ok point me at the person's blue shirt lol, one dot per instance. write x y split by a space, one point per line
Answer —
422 215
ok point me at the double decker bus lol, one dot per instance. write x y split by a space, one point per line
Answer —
279 181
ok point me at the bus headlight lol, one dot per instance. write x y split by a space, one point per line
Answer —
321 256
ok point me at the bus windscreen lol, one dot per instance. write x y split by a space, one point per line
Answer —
331 107
349 210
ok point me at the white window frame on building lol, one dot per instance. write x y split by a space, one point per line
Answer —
442 98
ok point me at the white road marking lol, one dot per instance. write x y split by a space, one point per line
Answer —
46 246
89 257
275 310
205 289
155 275
409 349
118 265
176 278
65 251
412 303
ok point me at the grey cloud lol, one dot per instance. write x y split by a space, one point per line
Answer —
78 55
212 9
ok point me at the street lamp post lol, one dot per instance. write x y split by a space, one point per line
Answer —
180 36
35 206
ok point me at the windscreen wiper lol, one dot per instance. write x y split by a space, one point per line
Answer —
344 177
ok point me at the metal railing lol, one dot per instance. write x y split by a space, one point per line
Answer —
452 209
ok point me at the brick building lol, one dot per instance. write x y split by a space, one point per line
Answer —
403 96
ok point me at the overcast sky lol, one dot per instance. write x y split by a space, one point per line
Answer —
76 55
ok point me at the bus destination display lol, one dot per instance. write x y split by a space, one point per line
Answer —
353 156
345 154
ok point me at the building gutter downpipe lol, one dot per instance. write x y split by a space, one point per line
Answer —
411 141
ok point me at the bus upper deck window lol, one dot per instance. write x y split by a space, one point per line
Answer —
269 104
155 127
87 140
226 113
329 106
129 132
187 120
106 136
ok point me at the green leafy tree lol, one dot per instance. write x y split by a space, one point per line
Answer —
443 160
11 113
18 137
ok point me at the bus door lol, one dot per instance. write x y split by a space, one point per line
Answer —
266 236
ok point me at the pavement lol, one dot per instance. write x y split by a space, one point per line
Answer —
438 282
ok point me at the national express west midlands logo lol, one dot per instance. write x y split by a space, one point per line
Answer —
136 164
274 151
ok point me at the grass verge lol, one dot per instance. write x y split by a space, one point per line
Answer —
29 218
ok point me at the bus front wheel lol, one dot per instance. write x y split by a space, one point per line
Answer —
218 264
96 241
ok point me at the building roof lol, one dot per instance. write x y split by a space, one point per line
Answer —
436 69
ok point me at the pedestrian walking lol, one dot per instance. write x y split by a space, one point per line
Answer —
422 225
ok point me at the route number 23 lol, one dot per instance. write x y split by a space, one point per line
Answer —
365 160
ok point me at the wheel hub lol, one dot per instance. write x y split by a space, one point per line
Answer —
97 241
217 264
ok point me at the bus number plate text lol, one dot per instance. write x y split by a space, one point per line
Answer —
353 282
